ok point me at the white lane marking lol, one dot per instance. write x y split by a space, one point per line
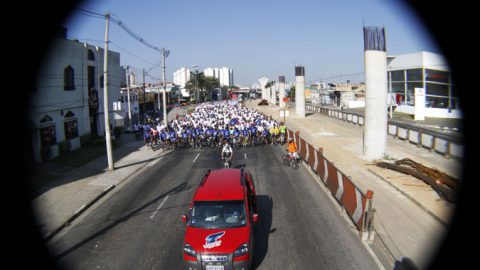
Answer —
245 155
195 159
159 206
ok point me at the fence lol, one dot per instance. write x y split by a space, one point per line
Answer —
446 145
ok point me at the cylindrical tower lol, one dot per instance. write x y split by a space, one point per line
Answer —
375 131
300 91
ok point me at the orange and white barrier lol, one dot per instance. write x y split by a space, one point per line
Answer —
347 194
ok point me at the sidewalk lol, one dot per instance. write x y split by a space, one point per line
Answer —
74 189
84 184
410 216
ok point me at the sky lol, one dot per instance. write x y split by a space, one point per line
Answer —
255 38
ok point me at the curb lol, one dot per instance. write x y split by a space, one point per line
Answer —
84 207
419 204
78 213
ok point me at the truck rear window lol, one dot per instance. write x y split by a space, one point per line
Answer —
218 214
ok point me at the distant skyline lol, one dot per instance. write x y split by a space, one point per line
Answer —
254 38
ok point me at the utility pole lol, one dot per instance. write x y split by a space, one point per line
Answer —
165 53
108 138
144 101
158 102
196 87
128 99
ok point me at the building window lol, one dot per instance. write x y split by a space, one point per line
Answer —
436 76
71 129
411 87
415 75
436 102
47 136
91 55
398 75
68 78
437 89
398 87
70 126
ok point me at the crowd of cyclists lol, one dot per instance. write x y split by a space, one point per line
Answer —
213 124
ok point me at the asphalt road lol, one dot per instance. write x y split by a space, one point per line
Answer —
139 226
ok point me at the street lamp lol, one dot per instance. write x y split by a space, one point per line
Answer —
196 90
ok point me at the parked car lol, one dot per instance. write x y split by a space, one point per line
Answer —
221 221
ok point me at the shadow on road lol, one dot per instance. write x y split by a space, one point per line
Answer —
74 247
263 229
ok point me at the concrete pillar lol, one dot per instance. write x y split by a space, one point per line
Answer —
375 131
281 91
300 91
274 92
263 81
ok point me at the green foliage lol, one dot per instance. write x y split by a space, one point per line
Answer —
292 92
205 85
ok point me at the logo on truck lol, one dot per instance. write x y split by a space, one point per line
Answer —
212 240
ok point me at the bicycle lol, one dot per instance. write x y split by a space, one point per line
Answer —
290 160
227 161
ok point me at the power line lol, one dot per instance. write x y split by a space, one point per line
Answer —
119 23
90 13
135 36
116 45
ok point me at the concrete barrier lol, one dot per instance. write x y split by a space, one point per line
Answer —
446 145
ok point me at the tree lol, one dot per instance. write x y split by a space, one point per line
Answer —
292 92
204 85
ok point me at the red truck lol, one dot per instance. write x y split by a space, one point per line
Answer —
220 223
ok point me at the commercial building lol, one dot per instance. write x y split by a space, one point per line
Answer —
422 70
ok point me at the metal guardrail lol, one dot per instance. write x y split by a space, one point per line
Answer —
446 145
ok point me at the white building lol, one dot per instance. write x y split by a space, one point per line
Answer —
68 101
181 77
422 70
134 107
224 75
